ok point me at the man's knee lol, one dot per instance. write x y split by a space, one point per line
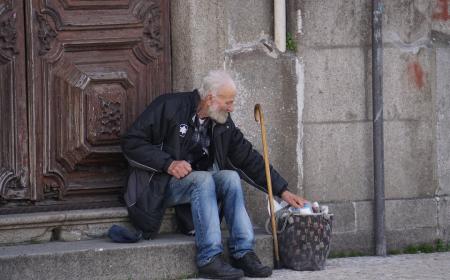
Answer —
230 179
202 179
231 175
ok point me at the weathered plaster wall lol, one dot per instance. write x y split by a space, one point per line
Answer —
318 104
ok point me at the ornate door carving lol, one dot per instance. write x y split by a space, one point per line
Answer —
14 156
93 66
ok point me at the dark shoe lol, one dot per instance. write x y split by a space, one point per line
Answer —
219 269
251 265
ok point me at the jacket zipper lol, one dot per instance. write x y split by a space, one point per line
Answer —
140 165
246 177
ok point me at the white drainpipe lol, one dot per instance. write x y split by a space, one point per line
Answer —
280 24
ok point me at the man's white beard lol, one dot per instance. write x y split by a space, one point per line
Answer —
218 116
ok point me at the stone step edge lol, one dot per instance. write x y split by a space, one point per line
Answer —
170 256
69 225
105 244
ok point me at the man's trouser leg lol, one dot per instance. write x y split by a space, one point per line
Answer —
202 189
229 191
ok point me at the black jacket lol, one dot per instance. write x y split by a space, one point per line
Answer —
158 137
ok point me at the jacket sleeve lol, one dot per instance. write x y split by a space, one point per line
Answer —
142 145
247 159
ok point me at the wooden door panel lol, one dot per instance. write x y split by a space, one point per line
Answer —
95 15
87 103
14 161
96 65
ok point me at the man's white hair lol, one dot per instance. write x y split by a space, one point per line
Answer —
214 81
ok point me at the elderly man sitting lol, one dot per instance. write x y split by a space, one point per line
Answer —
185 148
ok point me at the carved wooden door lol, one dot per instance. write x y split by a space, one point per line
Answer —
91 67
14 154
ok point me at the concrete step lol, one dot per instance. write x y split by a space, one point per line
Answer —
68 225
170 256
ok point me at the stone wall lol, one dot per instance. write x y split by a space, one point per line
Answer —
334 43
318 105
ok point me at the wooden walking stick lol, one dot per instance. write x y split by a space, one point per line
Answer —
259 117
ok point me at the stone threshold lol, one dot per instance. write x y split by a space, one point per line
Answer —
68 225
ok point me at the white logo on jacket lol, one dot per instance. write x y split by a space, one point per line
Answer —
183 130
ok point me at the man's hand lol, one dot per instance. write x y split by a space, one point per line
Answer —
293 199
179 168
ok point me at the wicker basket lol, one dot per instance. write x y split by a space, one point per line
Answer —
304 240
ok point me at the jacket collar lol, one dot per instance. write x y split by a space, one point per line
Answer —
193 110
220 128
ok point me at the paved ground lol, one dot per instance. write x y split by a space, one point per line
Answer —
398 267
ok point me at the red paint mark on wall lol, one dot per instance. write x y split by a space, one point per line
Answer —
441 13
416 73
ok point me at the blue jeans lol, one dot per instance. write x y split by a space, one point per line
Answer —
203 189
